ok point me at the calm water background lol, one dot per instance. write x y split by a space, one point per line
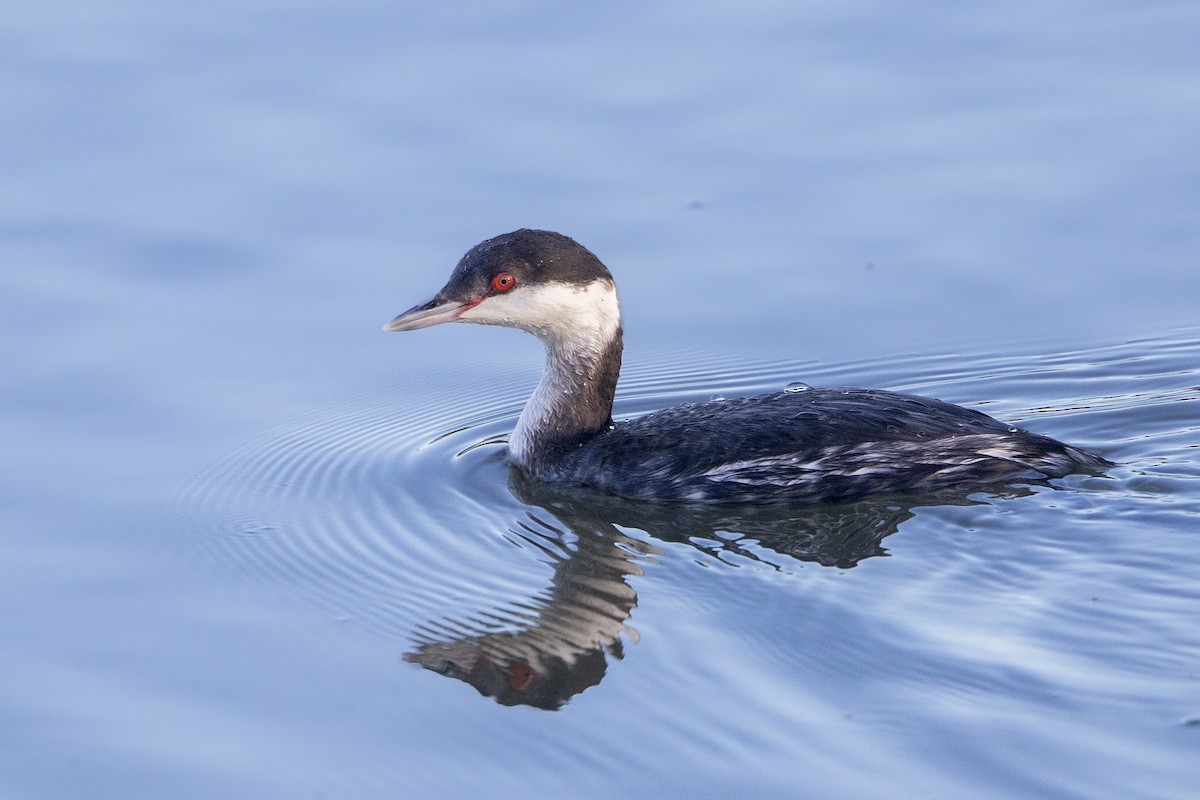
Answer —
206 212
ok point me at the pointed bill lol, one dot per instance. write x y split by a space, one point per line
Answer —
435 312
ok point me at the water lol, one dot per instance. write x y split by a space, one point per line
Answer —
241 527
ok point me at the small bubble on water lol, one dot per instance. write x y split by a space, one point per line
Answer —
716 398
797 386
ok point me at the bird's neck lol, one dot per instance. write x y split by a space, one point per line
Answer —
573 402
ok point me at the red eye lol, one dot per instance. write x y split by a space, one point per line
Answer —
504 282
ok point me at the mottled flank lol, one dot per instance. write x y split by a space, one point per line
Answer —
819 445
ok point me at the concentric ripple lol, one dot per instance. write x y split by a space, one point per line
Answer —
390 515
401 518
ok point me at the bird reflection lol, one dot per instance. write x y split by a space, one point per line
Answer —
555 645
546 650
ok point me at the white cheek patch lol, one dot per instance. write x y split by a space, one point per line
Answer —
553 311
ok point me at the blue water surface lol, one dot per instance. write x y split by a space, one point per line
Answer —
238 522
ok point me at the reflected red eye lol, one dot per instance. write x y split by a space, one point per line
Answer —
520 677
503 282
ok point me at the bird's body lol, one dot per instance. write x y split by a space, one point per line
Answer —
812 445
818 445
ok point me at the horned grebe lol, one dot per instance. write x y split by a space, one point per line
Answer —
817 445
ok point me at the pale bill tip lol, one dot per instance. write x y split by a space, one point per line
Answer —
426 315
